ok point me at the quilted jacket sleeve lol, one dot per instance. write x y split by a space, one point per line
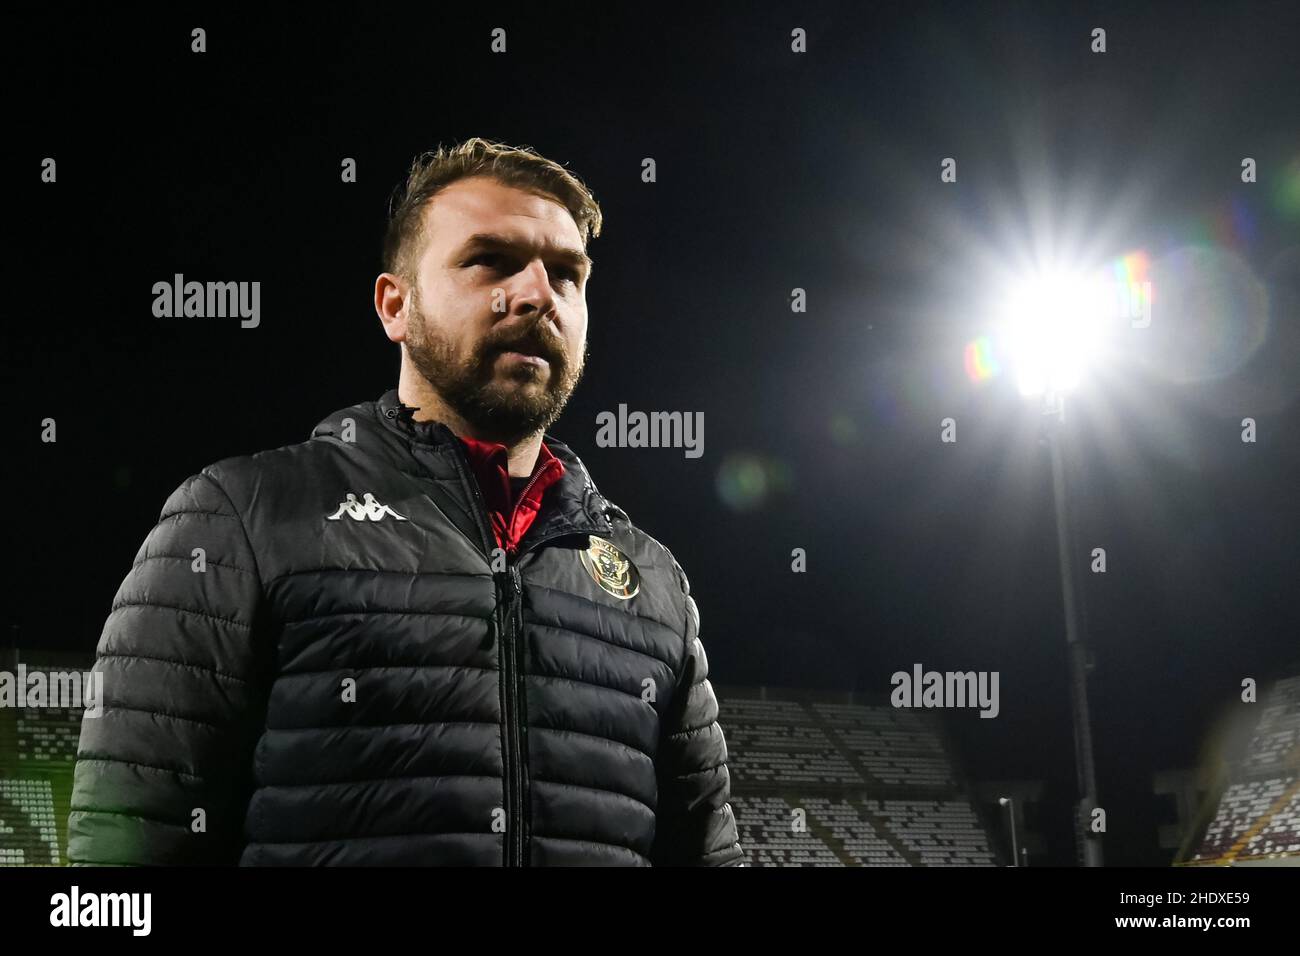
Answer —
695 825
182 701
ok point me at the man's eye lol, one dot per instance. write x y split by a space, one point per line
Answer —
496 260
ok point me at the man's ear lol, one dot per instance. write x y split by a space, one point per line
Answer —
392 305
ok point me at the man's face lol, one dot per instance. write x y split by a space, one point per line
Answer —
508 370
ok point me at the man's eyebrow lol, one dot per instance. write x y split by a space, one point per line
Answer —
492 240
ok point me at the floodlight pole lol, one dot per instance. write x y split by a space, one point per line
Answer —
1010 804
1089 842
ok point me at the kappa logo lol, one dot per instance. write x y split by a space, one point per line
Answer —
363 510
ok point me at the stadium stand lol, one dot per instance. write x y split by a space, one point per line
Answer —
830 780
1257 818
38 747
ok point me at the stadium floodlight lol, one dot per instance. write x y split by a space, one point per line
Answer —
1055 324
1054 329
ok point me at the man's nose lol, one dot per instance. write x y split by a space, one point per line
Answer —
532 286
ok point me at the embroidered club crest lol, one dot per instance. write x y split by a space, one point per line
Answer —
610 568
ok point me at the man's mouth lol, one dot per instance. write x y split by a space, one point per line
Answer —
526 357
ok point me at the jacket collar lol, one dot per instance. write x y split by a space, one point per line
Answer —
573 505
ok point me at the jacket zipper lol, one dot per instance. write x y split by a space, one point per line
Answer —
517 823
509 624
509 620
519 725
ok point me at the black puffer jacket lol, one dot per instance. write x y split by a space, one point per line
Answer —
368 688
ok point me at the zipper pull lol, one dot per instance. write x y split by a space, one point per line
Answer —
516 599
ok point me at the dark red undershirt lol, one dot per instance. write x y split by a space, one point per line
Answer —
511 514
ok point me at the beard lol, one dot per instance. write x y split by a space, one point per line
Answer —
522 401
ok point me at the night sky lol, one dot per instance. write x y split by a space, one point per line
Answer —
776 171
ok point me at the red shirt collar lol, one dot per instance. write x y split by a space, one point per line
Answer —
510 519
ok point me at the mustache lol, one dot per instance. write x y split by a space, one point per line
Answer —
537 339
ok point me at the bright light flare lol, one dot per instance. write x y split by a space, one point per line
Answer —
1055 329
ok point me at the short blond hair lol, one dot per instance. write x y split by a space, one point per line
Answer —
518 166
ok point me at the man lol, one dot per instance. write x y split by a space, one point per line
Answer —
422 636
